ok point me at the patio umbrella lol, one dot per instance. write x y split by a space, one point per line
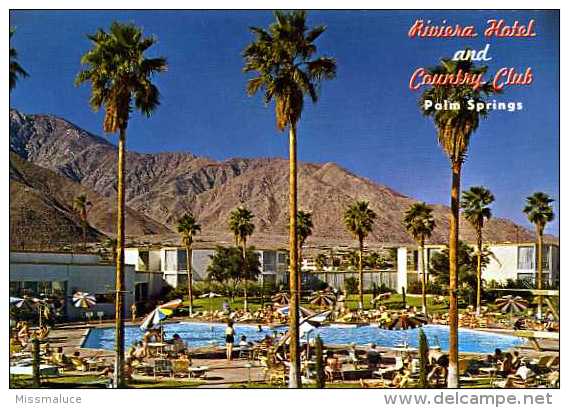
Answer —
26 303
84 300
15 300
323 299
381 297
304 312
210 295
282 298
161 312
306 325
511 304
404 322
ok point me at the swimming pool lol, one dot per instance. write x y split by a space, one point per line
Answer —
212 334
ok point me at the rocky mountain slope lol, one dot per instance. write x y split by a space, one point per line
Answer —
160 187
42 214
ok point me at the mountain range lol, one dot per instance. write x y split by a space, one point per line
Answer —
53 160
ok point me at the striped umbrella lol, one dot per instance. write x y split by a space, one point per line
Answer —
161 312
511 304
281 298
381 297
404 322
84 300
14 301
26 303
303 312
323 299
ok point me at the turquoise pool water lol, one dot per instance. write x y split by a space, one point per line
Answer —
204 334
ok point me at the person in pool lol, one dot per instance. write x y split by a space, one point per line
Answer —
229 340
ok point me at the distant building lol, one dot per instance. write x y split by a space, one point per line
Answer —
515 261
171 263
63 274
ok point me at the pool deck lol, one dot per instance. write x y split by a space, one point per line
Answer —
225 373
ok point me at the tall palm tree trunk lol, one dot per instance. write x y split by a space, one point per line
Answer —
299 272
294 375
244 252
539 271
361 273
453 276
119 300
479 272
84 224
423 272
190 284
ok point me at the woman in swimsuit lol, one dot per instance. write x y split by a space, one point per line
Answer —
229 339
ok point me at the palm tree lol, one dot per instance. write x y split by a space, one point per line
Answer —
420 223
16 70
111 245
286 67
241 224
187 228
120 77
475 204
320 262
359 219
454 129
539 212
81 205
304 227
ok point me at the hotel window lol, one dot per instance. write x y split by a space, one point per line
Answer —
526 258
545 257
182 261
170 259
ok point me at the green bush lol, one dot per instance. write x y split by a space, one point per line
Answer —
433 288
351 285
320 374
423 359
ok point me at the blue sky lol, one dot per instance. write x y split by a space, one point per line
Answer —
367 119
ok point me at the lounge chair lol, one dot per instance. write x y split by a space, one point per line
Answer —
181 367
381 372
162 367
514 381
274 373
544 363
404 382
198 372
463 366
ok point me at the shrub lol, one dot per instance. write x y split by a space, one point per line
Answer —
423 359
320 374
312 283
433 288
351 285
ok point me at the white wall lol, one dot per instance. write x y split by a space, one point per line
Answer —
94 278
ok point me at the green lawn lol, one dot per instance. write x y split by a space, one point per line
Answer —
395 302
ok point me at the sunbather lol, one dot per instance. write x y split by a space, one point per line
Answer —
78 362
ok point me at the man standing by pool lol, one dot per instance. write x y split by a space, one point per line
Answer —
373 357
